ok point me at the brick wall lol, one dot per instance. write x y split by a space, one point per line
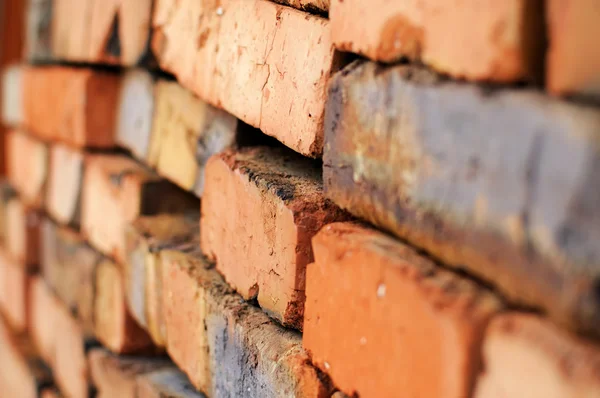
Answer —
300 198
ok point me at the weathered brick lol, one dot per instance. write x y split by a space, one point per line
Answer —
114 326
65 179
226 346
69 266
100 31
166 383
501 183
527 356
38 31
265 63
84 105
42 313
27 166
70 364
260 208
116 191
136 107
365 290
573 60
14 293
115 376
12 94
22 373
491 40
186 132
23 239
146 237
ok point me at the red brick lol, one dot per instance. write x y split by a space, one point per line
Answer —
491 40
366 290
27 174
65 179
84 105
23 241
43 308
573 60
14 293
22 374
116 191
266 64
113 325
226 346
260 208
527 356
146 237
70 365
115 376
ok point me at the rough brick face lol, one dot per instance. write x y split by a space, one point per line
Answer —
27 166
527 356
260 209
365 291
84 102
226 346
491 40
266 64
573 61
501 184
146 237
43 307
12 96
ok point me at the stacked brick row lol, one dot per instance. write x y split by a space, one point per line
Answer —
396 198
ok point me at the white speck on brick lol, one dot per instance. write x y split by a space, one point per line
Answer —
381 290
327 366
220 11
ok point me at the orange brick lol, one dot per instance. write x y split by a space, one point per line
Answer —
527 356
573 60
116 191
491 40
115 376
14 293
70 365
146 238
84 105
43 308
101 31
22 373
365 291
226 346
260 208
27 166
266 64
23 243
65 178
113 325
